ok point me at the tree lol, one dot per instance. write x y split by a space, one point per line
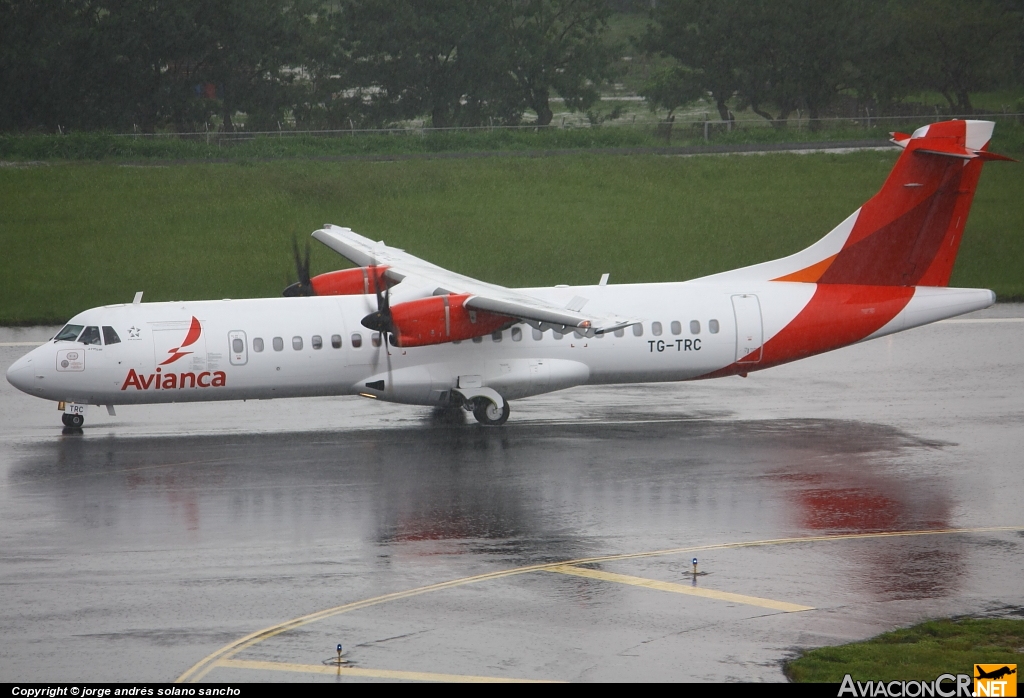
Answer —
555 45
956 48
772 54
708 38
672 87
49 50
435 57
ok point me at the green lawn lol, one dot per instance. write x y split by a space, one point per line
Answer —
77 235
920 653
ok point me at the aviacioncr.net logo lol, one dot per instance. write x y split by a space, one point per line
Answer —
945 686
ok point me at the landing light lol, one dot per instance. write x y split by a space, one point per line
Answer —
368 395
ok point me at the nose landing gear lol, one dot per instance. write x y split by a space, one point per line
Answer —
73 420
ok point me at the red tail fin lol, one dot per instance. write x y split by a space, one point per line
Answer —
909 233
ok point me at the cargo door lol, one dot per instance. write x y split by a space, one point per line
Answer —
181 346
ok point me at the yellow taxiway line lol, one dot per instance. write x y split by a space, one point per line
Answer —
679 588
201 668
359 672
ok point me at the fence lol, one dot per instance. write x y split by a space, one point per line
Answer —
685 126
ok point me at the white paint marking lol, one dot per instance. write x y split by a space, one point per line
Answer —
983 320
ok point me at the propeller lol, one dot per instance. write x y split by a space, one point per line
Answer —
302 287
382 321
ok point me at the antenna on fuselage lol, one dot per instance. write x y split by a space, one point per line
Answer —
138 298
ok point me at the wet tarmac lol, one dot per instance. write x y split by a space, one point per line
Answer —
826 501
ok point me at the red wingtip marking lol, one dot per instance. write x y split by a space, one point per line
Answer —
193 333
809 274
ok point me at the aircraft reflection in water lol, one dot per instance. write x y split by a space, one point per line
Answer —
401 329
554 492
848 492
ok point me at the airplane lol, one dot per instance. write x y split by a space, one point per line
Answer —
995 674
401 329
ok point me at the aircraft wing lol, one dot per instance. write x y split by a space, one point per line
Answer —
435 280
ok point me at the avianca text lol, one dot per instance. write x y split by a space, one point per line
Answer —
172 381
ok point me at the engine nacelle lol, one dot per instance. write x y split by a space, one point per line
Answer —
351 282
440 319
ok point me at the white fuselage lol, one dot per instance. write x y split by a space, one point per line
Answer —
289 346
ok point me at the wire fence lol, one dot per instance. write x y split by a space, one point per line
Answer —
688 124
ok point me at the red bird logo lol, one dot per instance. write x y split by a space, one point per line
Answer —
193 334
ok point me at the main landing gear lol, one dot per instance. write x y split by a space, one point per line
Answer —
489 414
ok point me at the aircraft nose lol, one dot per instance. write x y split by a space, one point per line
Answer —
20 374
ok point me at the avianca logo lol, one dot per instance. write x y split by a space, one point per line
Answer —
172 381
193 334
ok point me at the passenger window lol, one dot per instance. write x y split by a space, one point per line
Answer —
620 333
90 336
694 326
538 335
69 333
109 336
496 336
676 327
713 326
278 344
357 340
296 343
375 339
638 330
257 344
656 329
477 340
317 342
517 334
237 345
336 341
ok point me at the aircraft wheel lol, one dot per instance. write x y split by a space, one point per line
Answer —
73 420
488 414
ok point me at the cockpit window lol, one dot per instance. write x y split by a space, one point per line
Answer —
109 336
91 335
68 334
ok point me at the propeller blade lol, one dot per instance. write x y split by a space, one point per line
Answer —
302 287
381 320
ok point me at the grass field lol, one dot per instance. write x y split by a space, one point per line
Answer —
920 653
77 235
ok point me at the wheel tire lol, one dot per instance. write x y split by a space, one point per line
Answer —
73 420
488 414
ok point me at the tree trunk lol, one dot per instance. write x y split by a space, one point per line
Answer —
723 109
228 126
543 108
964 100
439 117
812 118
763 114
